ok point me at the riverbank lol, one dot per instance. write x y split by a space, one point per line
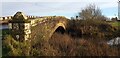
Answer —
79 38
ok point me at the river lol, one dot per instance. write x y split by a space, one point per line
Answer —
5 26
114 41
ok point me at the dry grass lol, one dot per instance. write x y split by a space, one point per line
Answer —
69 46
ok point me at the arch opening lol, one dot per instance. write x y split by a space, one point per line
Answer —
60 29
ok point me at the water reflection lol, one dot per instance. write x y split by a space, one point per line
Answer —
114 41
5 26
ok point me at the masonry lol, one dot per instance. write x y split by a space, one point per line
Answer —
28 27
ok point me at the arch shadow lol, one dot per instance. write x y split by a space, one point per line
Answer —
60 29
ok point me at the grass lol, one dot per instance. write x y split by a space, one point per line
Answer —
117 24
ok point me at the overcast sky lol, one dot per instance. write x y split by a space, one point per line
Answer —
66 8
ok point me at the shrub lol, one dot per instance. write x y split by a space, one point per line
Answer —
12 47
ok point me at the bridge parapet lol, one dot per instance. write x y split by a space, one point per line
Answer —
6 18
32 17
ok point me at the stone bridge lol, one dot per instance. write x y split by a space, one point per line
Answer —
34 27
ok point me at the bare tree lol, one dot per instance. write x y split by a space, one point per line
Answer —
91 12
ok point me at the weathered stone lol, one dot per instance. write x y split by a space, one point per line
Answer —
19 15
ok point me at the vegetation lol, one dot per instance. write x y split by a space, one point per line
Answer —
117 24
72 46
12 47
91 12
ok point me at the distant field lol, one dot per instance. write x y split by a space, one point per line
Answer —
115 24
119 24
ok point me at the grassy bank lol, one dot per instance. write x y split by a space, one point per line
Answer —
79 38
117 24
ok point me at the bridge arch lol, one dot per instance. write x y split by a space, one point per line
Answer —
60 27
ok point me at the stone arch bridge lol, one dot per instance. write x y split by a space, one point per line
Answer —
33 27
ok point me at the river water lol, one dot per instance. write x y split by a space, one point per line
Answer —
5 26
114 41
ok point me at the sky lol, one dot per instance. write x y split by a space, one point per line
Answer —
68 8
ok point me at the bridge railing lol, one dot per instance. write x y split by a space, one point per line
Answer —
33 17
6 18
10 17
